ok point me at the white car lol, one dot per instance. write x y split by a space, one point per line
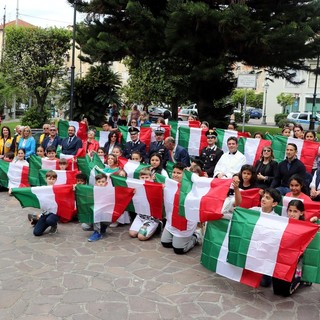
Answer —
184 114
303 118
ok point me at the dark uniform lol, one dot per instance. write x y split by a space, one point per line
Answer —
158 147
210 155
131 146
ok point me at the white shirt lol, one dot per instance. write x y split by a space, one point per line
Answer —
230 164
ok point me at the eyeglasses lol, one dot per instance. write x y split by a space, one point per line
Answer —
53 130
211 137
267 150
133 133
133 121
45 128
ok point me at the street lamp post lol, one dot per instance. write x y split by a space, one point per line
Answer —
72 68
264 117
313 118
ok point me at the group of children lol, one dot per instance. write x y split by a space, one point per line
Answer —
144 227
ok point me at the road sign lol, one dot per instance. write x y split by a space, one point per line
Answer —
247 81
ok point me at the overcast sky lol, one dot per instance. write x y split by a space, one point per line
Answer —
43 13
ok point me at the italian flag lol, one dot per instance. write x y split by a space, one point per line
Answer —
250 198
97 204
312 208
63 177
36 164
268 244
146 134
94 171
86 164
81 129
102 137
202 199
148 196
171 197
192 139
307 150
215 251
56 199
132 168
252 148
13 175
311 261
175 125
224 135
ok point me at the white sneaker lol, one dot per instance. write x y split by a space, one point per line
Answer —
114 224
198 235
87 227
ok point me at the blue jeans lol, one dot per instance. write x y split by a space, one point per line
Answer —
44 222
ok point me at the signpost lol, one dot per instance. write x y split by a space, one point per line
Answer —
246 81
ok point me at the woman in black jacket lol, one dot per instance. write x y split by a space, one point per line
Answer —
266 168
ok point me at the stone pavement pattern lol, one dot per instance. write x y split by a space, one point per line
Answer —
63 276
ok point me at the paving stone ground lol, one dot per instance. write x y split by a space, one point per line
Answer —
63 276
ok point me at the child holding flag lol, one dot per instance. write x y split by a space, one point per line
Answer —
295 210
182 241
47 218
99 227
144 226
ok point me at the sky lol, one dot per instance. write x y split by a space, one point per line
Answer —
42 13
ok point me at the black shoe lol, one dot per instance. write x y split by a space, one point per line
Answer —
266 281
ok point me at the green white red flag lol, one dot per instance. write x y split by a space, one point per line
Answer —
59 200
13 175
132 168
268 244
171 197
307 150
224 135
147 198
202 199
63 177
102 137
252 148
81 129
146 134
192 139
175 125
36 164
87 164
101 204
250 198
215 251
311 261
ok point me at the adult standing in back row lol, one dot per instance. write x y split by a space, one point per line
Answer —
288 167
72 143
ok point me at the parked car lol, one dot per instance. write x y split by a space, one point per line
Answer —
183 114
156 112
303 118
255 113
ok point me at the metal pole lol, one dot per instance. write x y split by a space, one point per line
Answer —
313 118
3 34
264 117
244 109
72 60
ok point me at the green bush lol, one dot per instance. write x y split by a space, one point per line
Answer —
283 123
238 117
278 117
34 119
